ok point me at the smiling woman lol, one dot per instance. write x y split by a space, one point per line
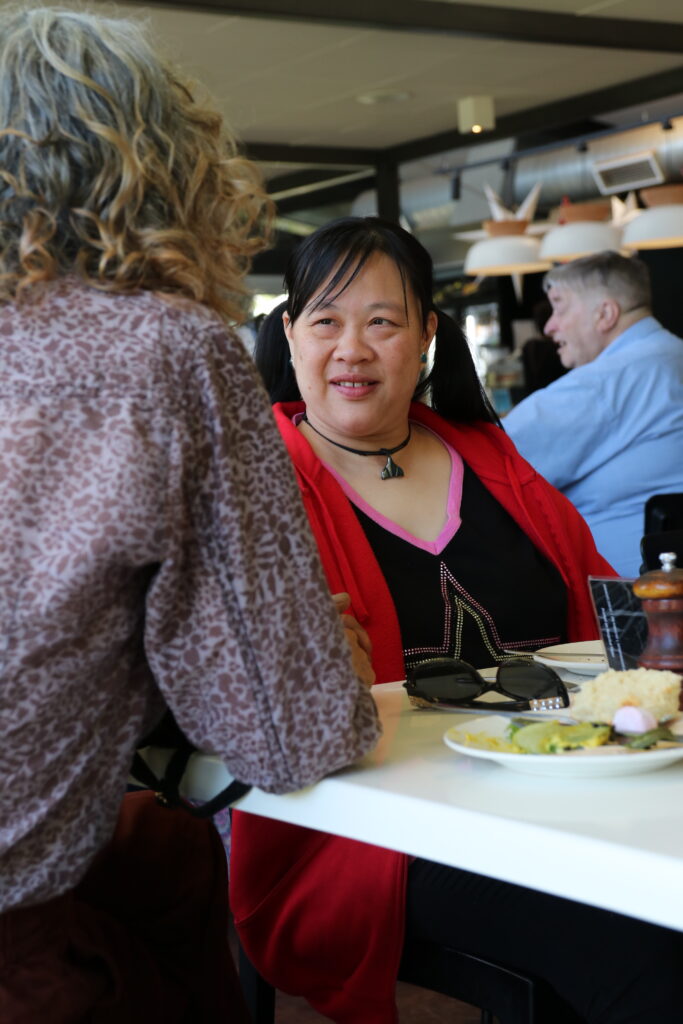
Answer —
467 554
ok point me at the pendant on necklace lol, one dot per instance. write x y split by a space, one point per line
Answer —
391 470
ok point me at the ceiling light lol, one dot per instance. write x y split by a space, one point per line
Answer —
580 238
476 114
505 254
660 227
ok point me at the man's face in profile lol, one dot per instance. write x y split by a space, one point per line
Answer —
573 325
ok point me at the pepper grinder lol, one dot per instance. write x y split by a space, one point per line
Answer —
661 592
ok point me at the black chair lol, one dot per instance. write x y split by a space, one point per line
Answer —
508 996
663 512
653 544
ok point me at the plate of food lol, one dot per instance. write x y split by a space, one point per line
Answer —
581 750
585 657
620 723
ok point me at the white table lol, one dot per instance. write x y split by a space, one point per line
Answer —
615 843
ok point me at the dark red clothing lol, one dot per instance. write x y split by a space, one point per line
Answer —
143 938
319 915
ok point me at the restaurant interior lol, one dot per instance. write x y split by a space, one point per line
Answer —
507 135
353 108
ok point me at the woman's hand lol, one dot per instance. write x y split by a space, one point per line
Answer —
358 640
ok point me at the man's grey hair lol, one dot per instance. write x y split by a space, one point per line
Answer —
624 278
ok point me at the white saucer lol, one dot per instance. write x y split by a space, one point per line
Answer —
586 657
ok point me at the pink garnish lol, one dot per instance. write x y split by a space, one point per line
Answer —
632 720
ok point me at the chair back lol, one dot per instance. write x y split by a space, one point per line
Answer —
663 512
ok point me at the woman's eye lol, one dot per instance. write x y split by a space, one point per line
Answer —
381 321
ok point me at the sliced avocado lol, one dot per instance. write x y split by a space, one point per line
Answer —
552 737
534 738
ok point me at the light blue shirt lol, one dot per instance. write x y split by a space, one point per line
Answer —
610 434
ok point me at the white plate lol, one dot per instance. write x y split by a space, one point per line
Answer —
577 764
586 657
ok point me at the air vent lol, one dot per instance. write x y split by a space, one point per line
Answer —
627 172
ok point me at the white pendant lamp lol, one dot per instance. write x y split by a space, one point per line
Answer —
661 225
658 228
571 241
584 228
507 251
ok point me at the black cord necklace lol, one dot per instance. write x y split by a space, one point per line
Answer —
390 470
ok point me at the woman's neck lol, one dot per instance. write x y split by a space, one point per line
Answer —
347 454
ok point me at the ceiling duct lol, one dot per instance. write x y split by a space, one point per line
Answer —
625 160
612 163
427 188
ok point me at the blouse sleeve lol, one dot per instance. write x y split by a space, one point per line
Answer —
240 633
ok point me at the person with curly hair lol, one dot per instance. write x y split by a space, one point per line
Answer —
155 553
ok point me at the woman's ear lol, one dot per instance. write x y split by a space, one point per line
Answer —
287 326
430 329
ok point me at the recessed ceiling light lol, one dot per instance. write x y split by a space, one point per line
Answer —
382 96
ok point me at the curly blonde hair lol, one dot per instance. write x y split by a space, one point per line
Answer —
110 170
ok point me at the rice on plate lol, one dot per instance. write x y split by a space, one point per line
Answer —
652 690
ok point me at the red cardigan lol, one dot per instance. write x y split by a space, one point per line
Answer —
319 915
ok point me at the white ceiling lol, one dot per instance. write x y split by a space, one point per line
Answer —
294 83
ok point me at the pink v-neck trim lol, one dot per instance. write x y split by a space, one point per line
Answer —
453 520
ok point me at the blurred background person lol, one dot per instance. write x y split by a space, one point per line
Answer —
540 360
609 434
154 549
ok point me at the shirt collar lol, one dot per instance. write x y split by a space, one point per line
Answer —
634 334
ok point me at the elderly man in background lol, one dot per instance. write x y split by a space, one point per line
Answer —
610 433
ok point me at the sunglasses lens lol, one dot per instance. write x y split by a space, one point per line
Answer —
529 681
453 682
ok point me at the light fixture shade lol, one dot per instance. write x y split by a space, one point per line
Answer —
507 254
660 227
582 238
476 113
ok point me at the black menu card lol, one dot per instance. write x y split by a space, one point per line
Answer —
621 620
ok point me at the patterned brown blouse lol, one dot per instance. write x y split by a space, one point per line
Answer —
152 546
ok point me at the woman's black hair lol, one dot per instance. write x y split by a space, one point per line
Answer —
336 254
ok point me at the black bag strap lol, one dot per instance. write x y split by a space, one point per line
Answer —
167 788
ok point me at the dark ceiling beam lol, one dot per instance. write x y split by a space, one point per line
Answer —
549 116
460 20
337 156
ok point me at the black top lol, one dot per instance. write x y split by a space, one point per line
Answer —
489 589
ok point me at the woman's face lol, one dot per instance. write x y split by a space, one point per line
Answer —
357 356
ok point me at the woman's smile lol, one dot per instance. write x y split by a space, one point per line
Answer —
353 386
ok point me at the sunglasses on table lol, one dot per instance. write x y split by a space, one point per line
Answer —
449 682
